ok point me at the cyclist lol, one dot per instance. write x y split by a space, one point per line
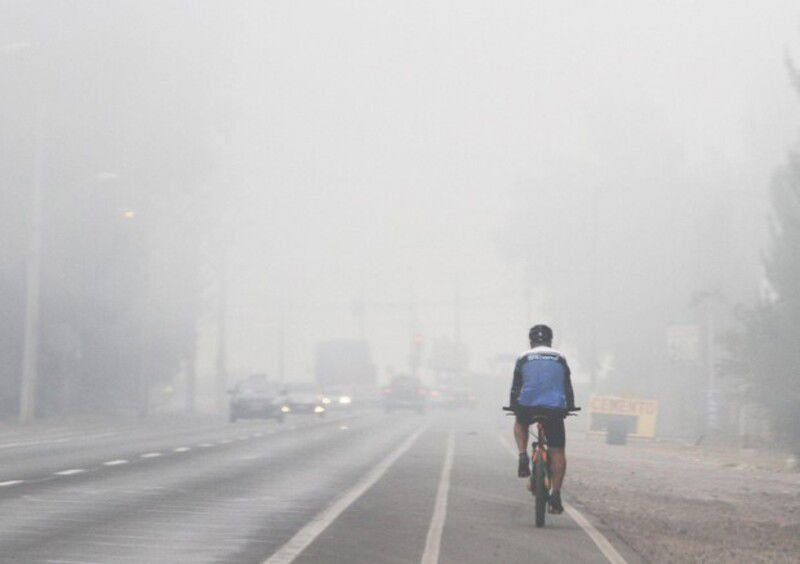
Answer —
542 384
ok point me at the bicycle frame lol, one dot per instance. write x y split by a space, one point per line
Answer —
540 462
539 451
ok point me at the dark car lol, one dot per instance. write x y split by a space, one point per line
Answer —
256 398
405 392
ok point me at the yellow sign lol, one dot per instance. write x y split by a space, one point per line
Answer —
640 414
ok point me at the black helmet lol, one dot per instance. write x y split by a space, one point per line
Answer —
541 334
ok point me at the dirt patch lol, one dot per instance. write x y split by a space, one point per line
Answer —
673 506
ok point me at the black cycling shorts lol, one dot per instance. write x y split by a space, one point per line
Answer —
553 426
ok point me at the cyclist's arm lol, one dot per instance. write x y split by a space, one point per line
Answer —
570 394
516 384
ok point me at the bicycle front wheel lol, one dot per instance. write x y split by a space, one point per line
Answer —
539 479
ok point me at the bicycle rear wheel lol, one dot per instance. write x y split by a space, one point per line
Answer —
540 490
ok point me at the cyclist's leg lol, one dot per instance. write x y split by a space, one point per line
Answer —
556 442
558 466
521 424
521 435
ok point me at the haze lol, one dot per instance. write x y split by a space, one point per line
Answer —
339 220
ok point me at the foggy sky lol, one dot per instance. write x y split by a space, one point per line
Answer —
401 149
527 156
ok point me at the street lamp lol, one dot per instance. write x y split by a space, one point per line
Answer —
27 402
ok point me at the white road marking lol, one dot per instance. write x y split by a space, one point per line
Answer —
225 441
433 542
321 521
116 462
602 543
597 537
72 562
10 483
70 472
205 445
182 449
151 455
55 439
256 435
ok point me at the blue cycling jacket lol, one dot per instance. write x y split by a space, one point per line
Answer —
542 379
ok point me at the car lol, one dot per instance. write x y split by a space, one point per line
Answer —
304 398
338 397
453 397
256 398
405 392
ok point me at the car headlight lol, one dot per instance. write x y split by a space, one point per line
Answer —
345 400
319 409
326 401
285 409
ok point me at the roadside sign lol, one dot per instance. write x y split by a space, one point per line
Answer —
641 414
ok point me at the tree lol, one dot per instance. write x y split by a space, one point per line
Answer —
766 353
127 217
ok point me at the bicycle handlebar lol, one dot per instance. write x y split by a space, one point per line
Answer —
567 412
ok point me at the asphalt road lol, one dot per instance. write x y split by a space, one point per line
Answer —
348 488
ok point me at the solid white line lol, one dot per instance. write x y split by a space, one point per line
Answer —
322 520
433 542
151 455
181 449
115 462
602 543
10 483
597 537
70 472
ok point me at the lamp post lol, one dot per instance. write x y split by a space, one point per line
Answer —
30 350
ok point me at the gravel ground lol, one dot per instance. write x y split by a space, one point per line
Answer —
676 503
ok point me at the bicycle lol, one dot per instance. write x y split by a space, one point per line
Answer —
540 472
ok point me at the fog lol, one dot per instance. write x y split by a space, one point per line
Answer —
385 170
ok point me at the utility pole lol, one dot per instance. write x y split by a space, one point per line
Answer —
191 370
282 344
457 313
30 353
593 308
221 314
415 357
145 325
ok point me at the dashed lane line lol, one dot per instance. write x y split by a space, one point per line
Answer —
117 462
59 561
55 440
433 542
121 462
608 550
321 521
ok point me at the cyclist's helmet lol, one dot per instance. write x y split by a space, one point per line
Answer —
540 335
